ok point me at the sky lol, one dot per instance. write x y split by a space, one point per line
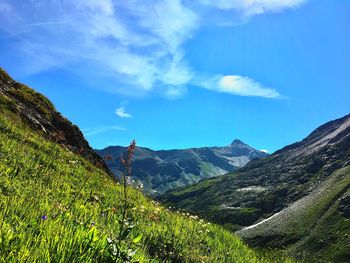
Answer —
184 73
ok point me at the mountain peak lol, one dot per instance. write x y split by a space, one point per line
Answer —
237 142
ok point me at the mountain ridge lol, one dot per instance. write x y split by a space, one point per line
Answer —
37 111
57 205
261 199
161 170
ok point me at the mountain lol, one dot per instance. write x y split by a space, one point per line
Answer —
57 204
38 112
159 171
297 198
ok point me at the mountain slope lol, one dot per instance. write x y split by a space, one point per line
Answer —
310 220
56 206
38 112
159 171
284 200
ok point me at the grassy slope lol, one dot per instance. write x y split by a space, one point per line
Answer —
313 220
329 238
38 177
36 110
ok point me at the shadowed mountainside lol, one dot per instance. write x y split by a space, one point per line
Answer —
159 171
296 198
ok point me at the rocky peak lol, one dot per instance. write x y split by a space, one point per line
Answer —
237 142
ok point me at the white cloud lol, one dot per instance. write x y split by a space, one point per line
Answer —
98 130
253 7
137 44
174 92
121 112
238 85
264 151
170 21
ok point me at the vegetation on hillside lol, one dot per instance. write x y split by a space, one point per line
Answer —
159 171
296 199
55 206
40 114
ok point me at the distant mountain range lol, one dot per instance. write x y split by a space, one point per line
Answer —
159 171
297 198
57 205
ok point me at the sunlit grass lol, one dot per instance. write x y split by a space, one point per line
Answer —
57 207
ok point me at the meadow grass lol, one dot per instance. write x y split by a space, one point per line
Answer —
57 207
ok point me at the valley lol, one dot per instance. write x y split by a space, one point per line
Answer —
294 199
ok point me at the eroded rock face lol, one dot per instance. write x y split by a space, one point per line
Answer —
37 111
344 206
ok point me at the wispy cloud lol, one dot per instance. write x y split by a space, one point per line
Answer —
121 112
238 85
98 130
139 45
253 7
47 23
264 151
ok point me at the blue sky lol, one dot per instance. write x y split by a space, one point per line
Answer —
178 74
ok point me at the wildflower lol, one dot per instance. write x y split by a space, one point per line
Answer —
44 217
142 208
93 223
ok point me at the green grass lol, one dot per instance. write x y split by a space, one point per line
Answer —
329 236
312 227
24 93
83 205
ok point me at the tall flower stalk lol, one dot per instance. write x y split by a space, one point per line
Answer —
126 174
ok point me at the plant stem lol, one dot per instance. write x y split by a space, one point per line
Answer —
126 173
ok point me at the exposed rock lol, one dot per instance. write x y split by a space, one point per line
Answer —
38 112
288 199
344 206
159 171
